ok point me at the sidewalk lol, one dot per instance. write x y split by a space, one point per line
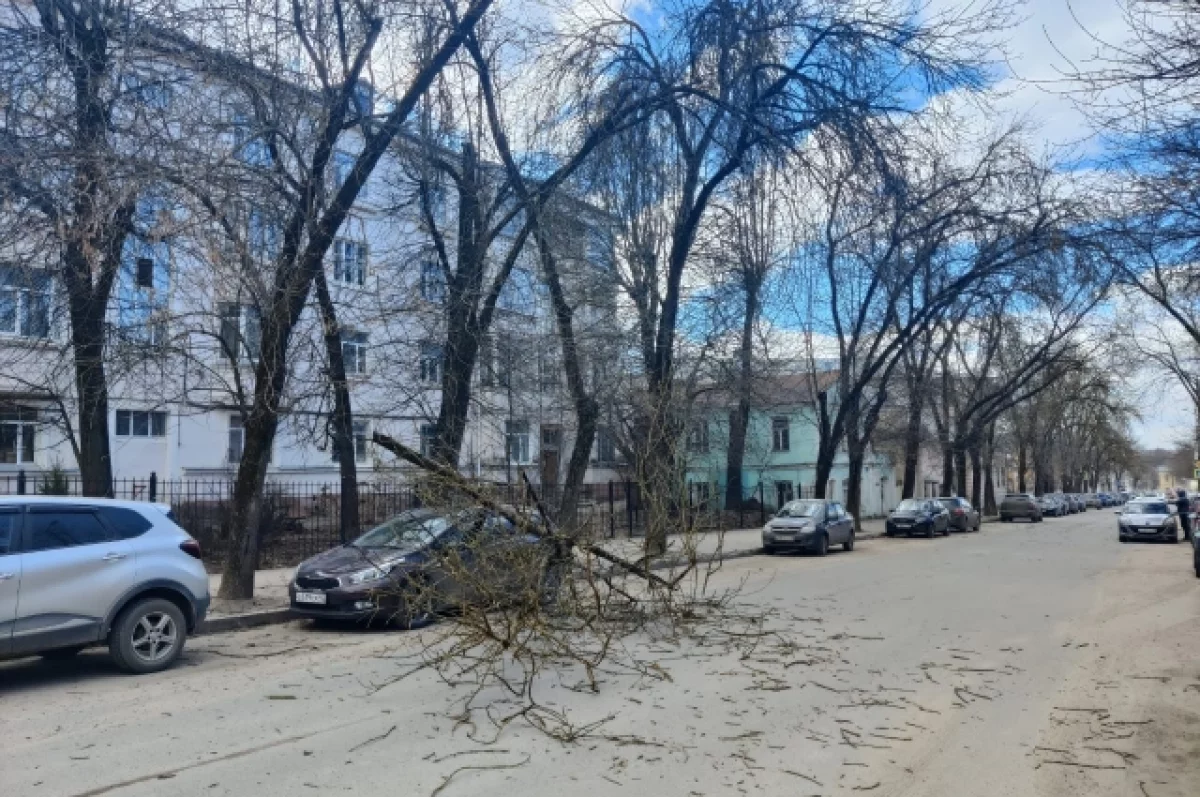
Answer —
270 602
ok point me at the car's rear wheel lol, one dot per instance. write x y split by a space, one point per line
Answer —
148 636
848 545
929 530
59 654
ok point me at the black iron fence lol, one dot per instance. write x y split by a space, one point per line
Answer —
301 519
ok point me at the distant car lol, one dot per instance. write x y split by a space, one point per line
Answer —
1077 505
1092 501
811 524
1147 519
1020 505
77 572
1106 499
420 563
963 516
925 516
1050 506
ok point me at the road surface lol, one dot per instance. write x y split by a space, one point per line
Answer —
1024 660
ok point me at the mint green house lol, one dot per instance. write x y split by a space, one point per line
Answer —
781 450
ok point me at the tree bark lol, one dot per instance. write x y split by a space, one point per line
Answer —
341 423
947 469
989 485
976 476
856 452
1022 465
739 419
826 446
912 445
960 469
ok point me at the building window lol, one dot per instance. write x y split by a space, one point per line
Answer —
138 423
349 261
697 438
433 281
145 272
241 330
430 363
428 436
781 434
262 235
24 303
359 440
237 439
517 435
606 445
18 434
354 352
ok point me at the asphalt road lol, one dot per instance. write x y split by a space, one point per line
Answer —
1024 660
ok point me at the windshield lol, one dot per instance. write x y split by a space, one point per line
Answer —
1146 508
802 509
910 505
409 531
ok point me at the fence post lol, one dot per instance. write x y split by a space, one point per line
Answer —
612 521
21 482
152 492
762 503
629 505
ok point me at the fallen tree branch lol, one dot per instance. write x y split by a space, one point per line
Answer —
450 777
457 482
378 738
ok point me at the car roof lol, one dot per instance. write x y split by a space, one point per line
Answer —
80 500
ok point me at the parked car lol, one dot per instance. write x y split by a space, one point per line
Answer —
1020 505
963 516
77 572
1091 501
1050 506
1076 504
421 563
1148 519
1196 553
810 524
918 516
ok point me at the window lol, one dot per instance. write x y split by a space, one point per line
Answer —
428 434
262 234
518 292
781 434
839 512
125 523
606 445
359 440
433 281
137 423
241 330
430 364
354 352
237 439
8 530
64 529
517 436
18 431
145 272
549 376
349 261
24 303
697 438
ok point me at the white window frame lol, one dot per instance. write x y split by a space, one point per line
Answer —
248 347
20 297
516 438
130 425
354 352
781 434
24 423
427 433
236 439
350 261
430 364
697 437
433 281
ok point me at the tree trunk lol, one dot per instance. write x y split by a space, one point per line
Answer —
341 424
989 485
1022 465
856 452
976 476
735 457
947 469
912 445
960 469
91 385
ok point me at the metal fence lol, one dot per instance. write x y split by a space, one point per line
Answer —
301 519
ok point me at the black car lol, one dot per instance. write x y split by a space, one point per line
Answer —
421 563
963 516
811 524
918 516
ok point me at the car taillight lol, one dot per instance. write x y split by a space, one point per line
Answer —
956 511
191 548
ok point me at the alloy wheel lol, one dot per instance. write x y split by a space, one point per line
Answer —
154 637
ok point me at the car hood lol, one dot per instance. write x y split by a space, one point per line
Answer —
1147 520
790 523
348 559
906 514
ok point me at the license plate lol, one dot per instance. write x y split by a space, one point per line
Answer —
310 597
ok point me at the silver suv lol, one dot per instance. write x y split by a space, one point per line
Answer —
76 572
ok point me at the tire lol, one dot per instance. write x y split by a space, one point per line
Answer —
148 636
770 550
822 547
1196 562
1037 519
62 654
848 545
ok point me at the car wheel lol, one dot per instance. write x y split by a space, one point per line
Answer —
848 545
770 550
929 531
416 609
59 654
148 636
822 546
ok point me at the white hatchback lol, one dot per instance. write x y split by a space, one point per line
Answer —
76 572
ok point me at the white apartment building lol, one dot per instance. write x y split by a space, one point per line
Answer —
184 332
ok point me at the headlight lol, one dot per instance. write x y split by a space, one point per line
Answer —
370 574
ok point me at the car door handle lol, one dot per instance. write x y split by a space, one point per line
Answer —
114 557
7 576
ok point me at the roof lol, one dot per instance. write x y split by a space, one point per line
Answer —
774 391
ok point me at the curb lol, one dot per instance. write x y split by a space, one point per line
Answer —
238 622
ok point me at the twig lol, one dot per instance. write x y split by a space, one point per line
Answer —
216 652
378 738
828 688
802 776
448 756
1077 764
872 787
473 767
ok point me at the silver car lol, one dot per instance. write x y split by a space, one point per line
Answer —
76 572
